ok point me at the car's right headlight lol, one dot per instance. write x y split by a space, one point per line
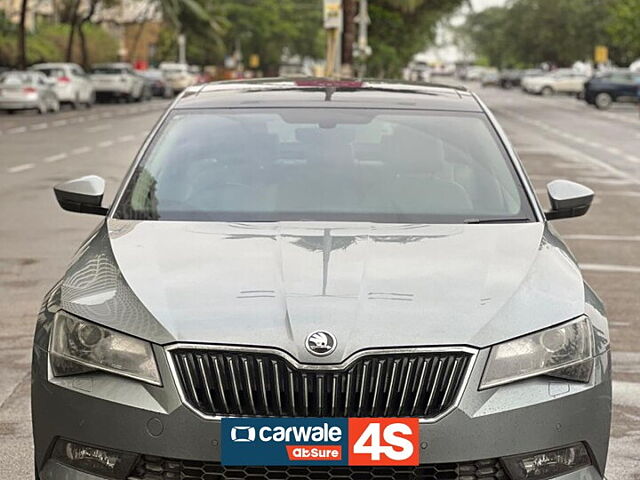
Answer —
565 351
79 346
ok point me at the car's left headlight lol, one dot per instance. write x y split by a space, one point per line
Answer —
79 346
565 351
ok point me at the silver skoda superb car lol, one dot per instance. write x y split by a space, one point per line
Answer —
295 250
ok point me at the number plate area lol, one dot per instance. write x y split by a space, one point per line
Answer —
320 441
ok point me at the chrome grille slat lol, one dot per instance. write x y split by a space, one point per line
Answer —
221 391
276 385
219 383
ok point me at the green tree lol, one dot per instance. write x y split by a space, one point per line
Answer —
528 32
623 27
267 27
401 28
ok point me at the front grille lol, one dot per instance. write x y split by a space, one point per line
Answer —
153 468
421 384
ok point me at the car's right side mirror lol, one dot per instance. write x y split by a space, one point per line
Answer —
82 195
568 199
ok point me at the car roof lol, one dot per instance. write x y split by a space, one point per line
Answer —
60 65
328 93
113 65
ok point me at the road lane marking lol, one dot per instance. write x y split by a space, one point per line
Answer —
39 126
80 150
17 130
21 168
605 181
632 158
98 128
54 158
607 268
626 393
59 123
602 238
578 155
126 138
106 143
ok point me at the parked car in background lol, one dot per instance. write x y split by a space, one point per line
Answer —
474 73
156 82
177 75
27 91
294 69
490 78
564 81
419 72
604 89
119 81
512 78
71 84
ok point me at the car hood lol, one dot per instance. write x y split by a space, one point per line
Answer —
370 285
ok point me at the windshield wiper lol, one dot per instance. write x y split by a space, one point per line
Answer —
498 220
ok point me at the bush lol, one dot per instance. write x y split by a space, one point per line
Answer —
48 43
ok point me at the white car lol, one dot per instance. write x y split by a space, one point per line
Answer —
72 84
559 81
177 75
118 80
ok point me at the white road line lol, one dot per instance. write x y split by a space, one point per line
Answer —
59 123
98 128
106 143
605 181
614 150
92 117
606 268
632 158
626 393
80 150
21 168
107 115
602 238
39 126
126 138
54 158
579 155
17 130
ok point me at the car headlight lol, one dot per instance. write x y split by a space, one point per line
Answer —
79 346
565 351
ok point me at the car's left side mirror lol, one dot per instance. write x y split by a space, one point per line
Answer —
568 199
82 195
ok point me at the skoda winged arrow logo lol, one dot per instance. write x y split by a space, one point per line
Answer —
321 343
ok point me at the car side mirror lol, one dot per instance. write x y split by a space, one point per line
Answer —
82 195
568 199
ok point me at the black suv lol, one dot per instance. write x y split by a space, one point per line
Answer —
617 86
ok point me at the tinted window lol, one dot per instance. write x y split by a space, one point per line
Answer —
109 70
15 78
52 72
325 164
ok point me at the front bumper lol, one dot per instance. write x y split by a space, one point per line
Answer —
115 412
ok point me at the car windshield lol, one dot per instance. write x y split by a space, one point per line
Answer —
325 164
109 70
15 78
51 72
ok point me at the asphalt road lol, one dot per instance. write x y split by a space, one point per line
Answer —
556 138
